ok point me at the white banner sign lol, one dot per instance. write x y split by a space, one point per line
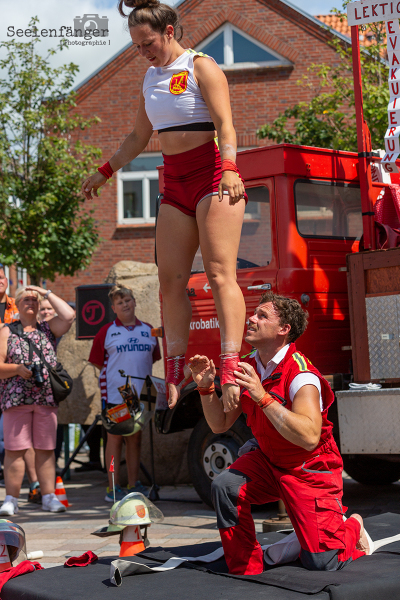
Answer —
369 11
392 136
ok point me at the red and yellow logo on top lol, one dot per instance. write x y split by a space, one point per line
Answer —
178 83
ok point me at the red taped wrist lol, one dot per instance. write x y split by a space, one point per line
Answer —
106 170
228 364
229 165
265 401
175 372
206 391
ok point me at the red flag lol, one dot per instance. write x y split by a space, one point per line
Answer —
111 469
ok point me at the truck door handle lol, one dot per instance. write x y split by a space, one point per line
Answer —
264 286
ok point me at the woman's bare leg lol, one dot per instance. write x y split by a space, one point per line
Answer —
220 225
14 469
29 458
45 462
177 243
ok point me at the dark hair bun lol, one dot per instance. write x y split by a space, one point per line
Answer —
137 4
157 15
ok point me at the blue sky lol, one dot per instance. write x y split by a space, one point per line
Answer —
55 14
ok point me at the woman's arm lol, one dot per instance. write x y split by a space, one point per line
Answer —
214 88
8 370
130 148
65 314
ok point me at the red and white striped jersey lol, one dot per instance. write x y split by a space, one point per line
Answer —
130 348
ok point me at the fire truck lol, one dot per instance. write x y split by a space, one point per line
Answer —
304 216
307 210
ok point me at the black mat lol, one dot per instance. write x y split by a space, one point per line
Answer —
375 577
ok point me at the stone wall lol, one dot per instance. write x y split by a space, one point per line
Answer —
84 402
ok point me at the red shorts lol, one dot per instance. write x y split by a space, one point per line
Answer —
192 176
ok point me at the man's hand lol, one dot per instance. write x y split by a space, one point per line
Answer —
203 370
249 379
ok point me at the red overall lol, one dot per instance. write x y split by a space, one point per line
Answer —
309 483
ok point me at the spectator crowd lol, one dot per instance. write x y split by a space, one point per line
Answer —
31 324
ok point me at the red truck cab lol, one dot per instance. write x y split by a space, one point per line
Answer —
302 219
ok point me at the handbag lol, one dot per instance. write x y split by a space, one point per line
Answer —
61 382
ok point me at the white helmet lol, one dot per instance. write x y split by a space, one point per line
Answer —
13 536
134 509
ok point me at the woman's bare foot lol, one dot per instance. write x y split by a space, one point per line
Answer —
230 396
363 543
174 391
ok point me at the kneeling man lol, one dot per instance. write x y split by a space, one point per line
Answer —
285 400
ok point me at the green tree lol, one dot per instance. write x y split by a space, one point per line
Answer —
44 226
328 119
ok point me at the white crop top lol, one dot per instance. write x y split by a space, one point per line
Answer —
172 96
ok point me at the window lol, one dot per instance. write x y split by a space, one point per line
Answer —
255 248
328 209
231 48
7 274
138 190
22 277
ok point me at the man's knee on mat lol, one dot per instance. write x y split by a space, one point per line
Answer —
322 561
225 493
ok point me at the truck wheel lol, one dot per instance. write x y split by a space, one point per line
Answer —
370 470
210 453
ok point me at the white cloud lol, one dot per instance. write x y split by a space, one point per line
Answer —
54 14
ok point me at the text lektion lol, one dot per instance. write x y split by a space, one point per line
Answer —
371 11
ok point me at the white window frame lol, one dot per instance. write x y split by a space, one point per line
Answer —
22 274
145 177
7 274
229 63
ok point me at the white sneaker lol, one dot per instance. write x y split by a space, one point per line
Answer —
51 502
9 506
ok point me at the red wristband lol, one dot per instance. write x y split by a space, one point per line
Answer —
229 165
265 401
206 391
106 170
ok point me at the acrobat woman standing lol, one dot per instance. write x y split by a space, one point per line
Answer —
185 98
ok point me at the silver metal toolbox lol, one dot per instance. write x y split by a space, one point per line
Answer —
369 421
383 336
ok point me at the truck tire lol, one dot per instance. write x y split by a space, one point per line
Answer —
210 453
370 470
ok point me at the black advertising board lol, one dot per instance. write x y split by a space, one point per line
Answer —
93 309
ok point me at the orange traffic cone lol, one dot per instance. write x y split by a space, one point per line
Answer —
60 492
132 541
5 562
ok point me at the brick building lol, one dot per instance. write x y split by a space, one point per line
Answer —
264 47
